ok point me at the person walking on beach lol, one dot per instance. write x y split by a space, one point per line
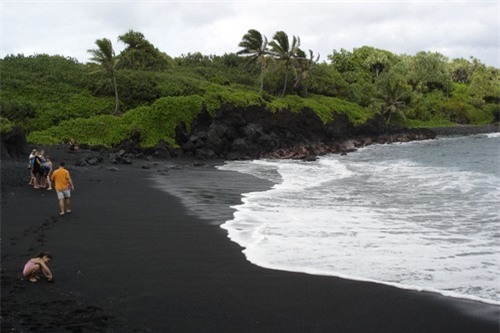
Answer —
64 186
39 263
30 166
43 176
47 169
37 171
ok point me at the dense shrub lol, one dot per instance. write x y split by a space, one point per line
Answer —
105 130
178 84
151 123
158 121
480 116
426 106
324 106
326 80
72 106
494 111
140 54
16 110
215 95
41 90
137 88
5 125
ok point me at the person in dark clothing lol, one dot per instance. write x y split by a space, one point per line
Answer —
37 171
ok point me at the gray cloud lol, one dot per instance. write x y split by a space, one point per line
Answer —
456 29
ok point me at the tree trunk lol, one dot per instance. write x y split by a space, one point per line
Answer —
261 78
286 81
116 94
388 120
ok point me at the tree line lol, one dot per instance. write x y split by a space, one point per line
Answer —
40 92
420 87
256 47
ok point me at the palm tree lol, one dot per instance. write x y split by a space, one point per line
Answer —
282 50
254 45
304 67
393 91
104 55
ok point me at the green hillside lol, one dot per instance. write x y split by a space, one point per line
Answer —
55 99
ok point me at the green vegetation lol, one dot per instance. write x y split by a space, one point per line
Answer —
104 55
144 94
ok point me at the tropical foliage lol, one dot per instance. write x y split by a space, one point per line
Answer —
255 46
55 98
285 52
140 54
104 55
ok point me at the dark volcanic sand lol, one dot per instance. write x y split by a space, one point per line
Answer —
132 258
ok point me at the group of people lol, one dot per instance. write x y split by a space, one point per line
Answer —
40 168
42 176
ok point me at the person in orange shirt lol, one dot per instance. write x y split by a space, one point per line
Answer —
63 185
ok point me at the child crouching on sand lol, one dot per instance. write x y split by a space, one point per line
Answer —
34 265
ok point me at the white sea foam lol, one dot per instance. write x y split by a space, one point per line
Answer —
376 216
493 135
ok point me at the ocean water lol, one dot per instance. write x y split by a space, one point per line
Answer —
421 215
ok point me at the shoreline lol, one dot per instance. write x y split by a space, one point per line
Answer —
133 258
447 294
465 130
264 187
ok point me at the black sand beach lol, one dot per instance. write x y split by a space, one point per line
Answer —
132 258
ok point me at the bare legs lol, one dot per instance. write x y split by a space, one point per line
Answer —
64 203
36 186
68 208
32 274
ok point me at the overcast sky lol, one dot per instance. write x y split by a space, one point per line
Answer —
69 28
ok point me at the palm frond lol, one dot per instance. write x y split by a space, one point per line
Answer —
104 55
253 43
280 44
